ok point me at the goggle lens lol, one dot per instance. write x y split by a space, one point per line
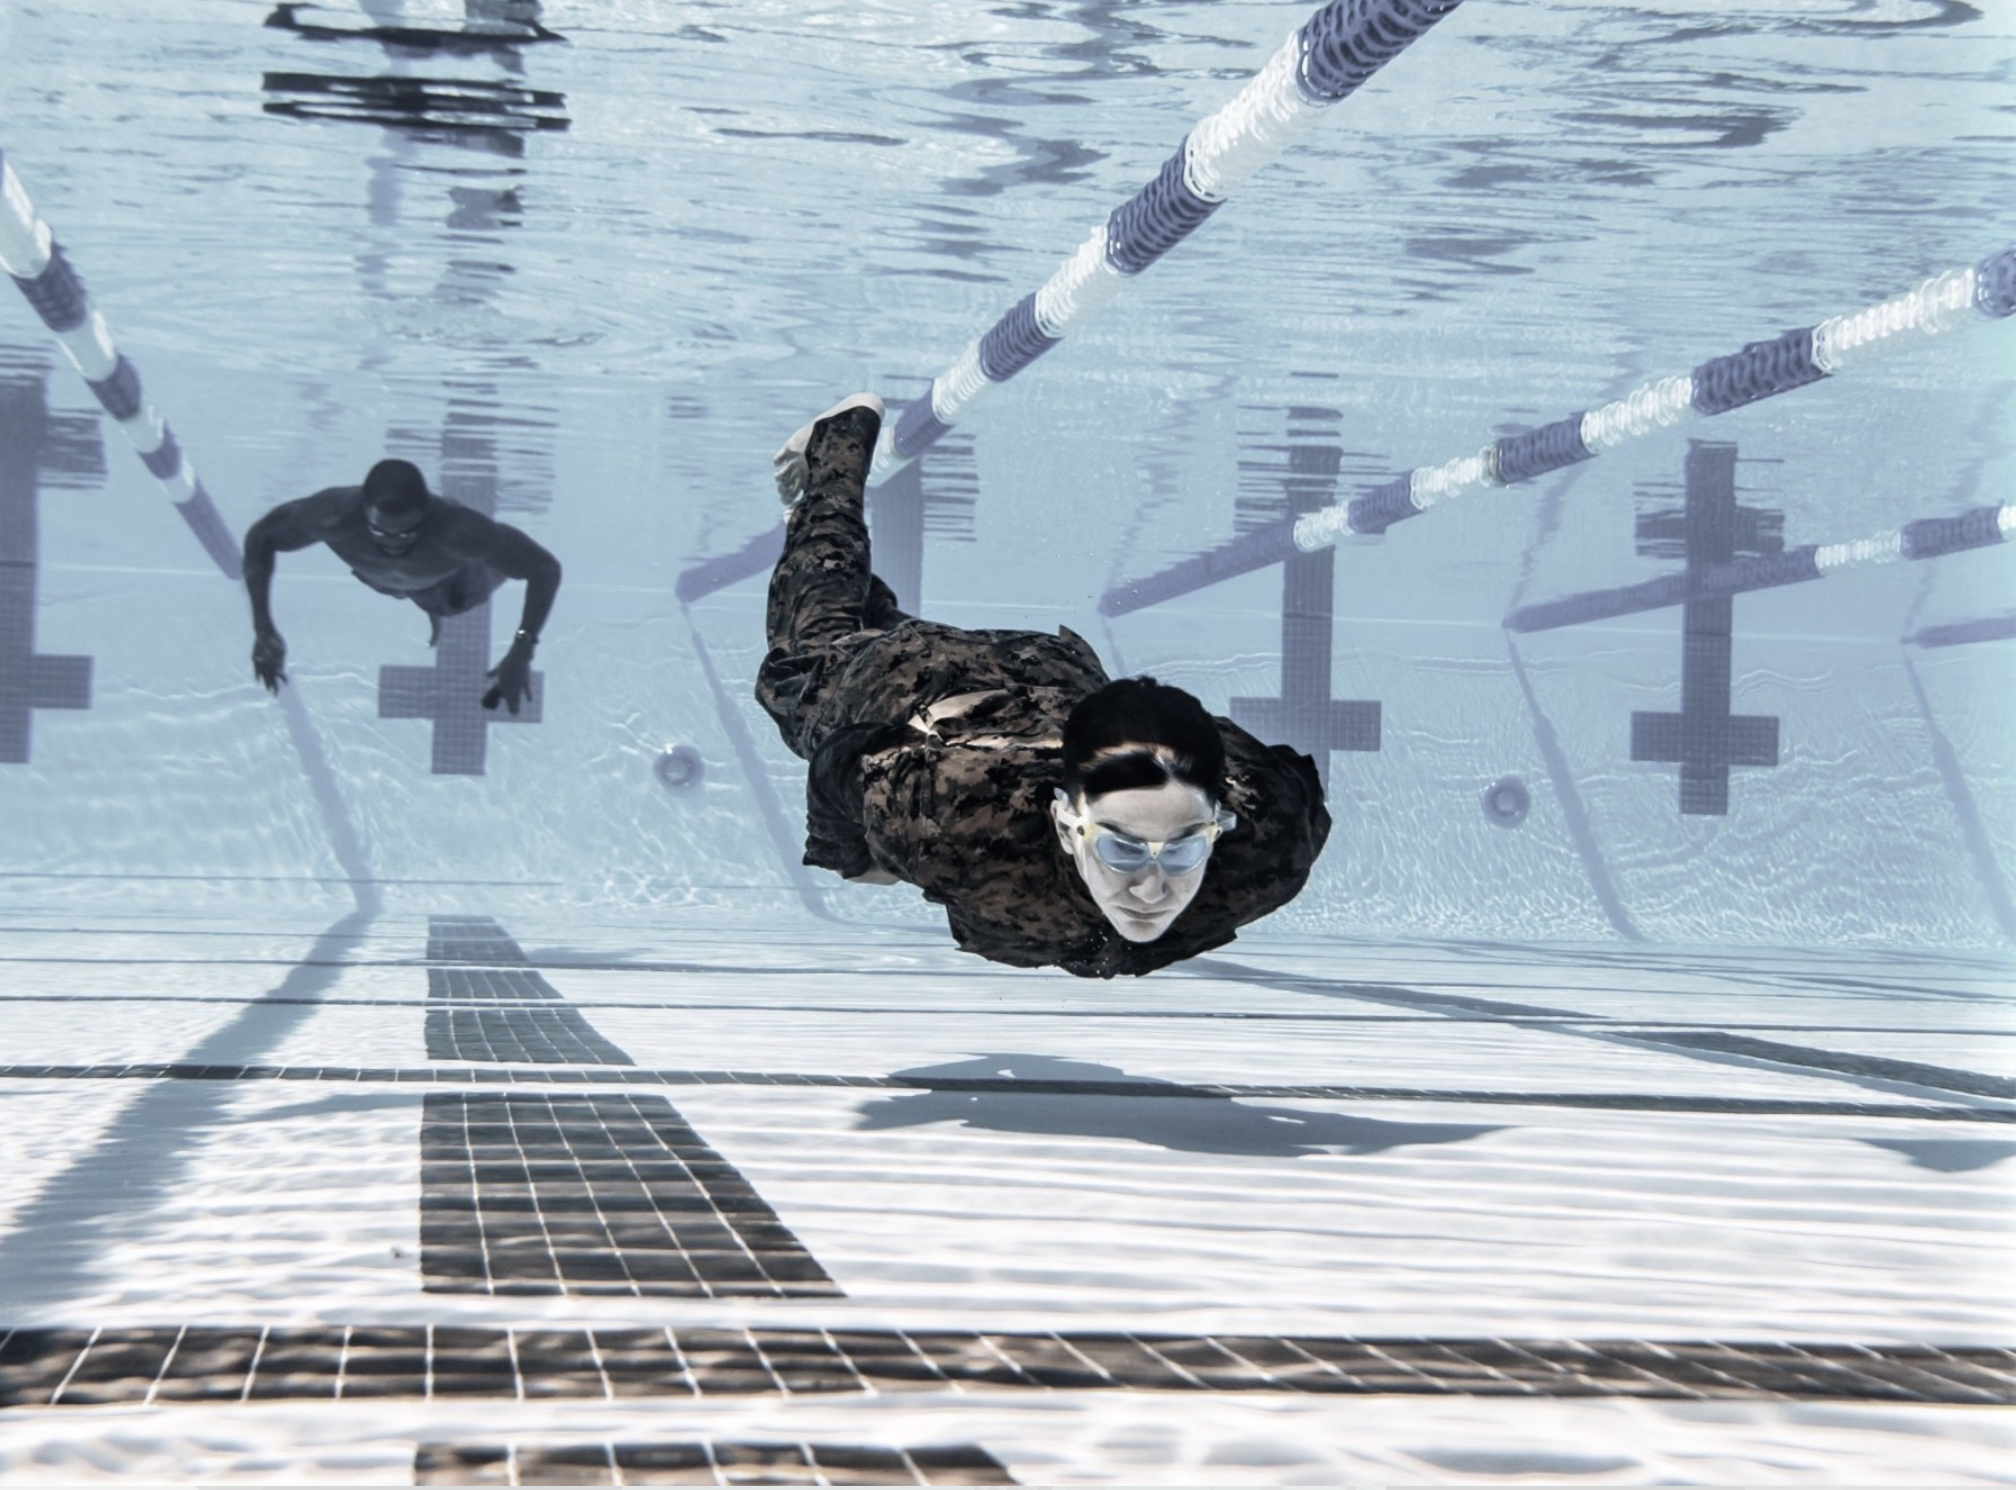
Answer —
1124 855
1130 855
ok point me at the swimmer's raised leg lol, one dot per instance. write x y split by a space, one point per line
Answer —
821 586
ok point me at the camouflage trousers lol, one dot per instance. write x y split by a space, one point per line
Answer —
826 604
843 657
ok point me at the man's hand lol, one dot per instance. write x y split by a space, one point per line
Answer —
269 657
514 677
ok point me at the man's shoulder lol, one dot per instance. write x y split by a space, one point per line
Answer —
329 509
453 523
447 510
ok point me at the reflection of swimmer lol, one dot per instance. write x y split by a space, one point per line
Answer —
401 540
1060 818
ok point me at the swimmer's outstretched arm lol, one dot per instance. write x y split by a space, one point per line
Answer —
281 531
471 535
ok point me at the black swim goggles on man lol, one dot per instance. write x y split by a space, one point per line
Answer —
1125 854
392 540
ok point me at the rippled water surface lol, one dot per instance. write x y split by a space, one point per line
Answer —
606 271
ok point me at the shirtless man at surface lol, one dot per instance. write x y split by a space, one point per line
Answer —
402 540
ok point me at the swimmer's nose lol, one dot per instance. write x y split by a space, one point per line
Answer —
1152 888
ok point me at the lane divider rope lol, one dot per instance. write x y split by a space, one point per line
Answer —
1927 538
1321 63
1941 304
43 273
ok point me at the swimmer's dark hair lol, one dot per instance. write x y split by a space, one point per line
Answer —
1137 732
395 486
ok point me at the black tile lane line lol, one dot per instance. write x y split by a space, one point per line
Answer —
493 1018
477 939
639 1076
66 1368
1778 986
1608 1022
539 1036
612 1194
605 1194
706 1462
1708 1046
1433 995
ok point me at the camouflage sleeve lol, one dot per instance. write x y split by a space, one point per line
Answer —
836 836
1264 862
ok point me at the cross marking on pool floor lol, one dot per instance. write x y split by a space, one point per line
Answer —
28 680
1704 738
1305 715
450 690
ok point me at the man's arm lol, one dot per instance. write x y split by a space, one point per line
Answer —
510 552
282 531
471 535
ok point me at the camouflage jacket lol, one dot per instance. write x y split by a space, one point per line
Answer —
963 812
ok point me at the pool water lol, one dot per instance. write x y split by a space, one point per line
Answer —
587 263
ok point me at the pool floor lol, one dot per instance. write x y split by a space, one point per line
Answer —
459 1194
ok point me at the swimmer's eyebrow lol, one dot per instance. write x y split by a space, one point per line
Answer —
1189 832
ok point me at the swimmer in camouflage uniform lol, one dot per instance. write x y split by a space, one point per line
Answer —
1061 818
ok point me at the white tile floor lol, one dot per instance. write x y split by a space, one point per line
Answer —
1470 1198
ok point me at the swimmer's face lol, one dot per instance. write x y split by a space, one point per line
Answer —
1141 904
394 533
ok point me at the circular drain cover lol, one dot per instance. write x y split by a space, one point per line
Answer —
680 767
1506 802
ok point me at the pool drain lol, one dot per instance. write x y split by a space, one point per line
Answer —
1506 802
679 767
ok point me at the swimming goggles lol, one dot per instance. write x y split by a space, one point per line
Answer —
1127 855
390 537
